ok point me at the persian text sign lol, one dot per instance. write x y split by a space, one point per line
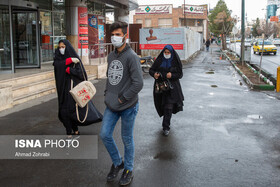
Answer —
154 9
194 9
83 27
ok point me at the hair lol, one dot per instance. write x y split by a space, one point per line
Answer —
119 25
61 41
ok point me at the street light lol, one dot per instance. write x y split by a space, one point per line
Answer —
243 32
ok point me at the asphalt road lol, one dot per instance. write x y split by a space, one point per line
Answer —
227 135
270 62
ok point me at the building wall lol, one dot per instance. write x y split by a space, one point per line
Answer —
177 17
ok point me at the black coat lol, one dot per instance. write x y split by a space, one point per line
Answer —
174 96
67 105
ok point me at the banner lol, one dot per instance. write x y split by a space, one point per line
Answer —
83 30
156 39
192 9
154 9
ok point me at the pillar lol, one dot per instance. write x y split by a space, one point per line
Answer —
77 27
121 15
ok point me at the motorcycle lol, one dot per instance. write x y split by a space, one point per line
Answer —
146 63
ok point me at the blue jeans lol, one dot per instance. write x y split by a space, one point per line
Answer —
109 122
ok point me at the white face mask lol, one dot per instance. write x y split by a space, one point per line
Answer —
117 41
167 56
62 50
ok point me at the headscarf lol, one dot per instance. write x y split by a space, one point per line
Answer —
166 63
69 53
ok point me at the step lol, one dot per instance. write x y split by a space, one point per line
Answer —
34 95
15 82
27 89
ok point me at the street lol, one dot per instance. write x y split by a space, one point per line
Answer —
270 62
224 137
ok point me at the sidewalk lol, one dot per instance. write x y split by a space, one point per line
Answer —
227 135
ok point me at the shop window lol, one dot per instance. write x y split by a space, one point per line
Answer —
148 23
166 23
46 34
59 5
190 22
139 21
199 22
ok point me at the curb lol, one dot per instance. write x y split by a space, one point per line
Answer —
269 86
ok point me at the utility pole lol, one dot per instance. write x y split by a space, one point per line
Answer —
243 32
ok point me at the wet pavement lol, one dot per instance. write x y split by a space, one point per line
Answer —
227 135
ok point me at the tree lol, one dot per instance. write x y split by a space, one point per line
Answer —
268 29
221 22
256 27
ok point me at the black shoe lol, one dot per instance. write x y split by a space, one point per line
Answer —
165 132
114 172
126 178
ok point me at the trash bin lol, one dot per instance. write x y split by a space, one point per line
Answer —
247 52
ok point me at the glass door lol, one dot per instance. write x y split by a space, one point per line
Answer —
5 44
25 38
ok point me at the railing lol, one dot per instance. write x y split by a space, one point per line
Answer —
98 53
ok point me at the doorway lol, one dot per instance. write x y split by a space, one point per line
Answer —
19 36
25 38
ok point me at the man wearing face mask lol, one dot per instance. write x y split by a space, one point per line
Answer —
124 82
168 66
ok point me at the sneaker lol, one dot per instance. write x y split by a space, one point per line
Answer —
126 178
114 172
165 132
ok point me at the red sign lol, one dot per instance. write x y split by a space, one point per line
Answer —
161 46
83 27
274 19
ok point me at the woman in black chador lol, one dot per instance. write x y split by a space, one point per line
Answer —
168 66
67 66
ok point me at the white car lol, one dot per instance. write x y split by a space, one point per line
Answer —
228 41
276 41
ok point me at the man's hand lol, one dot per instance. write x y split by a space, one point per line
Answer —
168 75
156 75
120 101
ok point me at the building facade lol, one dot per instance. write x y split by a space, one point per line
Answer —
166 16
30 30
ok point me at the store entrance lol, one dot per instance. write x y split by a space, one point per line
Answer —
25 38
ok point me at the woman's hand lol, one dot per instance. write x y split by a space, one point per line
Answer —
168 75
156 75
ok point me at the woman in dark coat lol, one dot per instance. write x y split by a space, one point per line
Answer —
67 66
168 66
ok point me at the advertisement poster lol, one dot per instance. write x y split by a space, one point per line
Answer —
156 39
96 35
83 30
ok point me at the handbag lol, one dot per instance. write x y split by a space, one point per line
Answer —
163 85
82 94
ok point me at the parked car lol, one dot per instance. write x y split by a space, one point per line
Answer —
268 47
276 41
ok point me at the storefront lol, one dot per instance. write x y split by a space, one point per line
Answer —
33 31
19 26
35 27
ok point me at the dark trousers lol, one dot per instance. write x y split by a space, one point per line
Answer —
68 124
168 108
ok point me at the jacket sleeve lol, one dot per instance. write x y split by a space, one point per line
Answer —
154 67
136 76
178 73
77 72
